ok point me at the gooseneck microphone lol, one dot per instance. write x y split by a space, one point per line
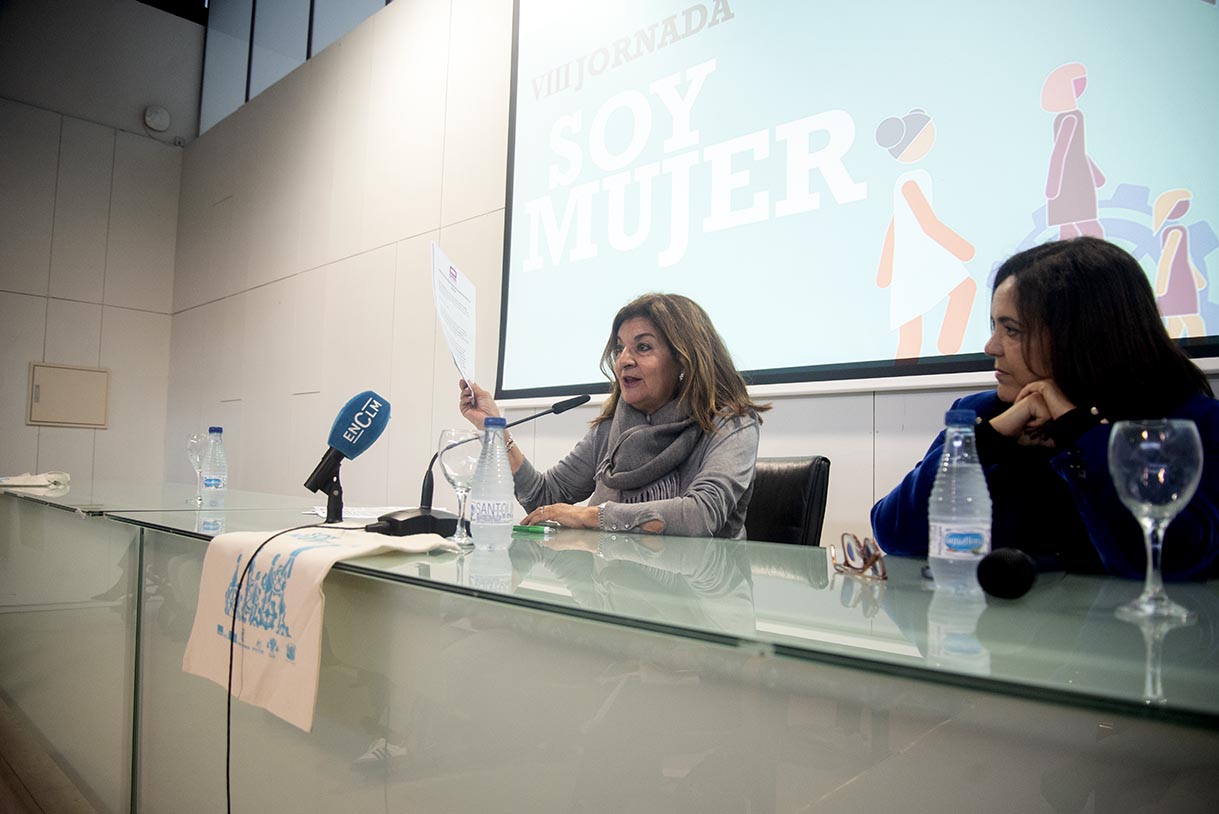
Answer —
424 519
357 426
425 494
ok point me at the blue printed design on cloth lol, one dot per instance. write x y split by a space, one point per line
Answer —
263 602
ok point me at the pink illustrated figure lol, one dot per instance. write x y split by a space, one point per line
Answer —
1177 279
1070 186
923 260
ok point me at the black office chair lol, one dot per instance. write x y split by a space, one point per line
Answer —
788 503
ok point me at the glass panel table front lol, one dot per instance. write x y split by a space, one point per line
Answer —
1060 641
631 672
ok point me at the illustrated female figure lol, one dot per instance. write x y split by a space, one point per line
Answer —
923 260
1070 186
1177 280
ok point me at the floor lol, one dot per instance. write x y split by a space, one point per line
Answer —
14 798
31 782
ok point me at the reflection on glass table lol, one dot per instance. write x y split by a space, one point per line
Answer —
1061 638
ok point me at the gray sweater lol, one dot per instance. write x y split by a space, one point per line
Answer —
716 482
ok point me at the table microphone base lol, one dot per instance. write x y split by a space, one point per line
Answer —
415 521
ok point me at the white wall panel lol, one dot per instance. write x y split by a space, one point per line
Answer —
357 327
66 449
906 424
476 120
213 170
143 224
406 128
352 110
355 353
266 340
271 198
307 336
224 273
74 333
309 419
29 147
190 257
225 356
82 211
318 123
411 436
22 328
268 318
135 346
187 386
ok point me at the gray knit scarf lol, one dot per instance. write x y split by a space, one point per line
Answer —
645 453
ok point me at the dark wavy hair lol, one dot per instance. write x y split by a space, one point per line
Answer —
712 382
1090 304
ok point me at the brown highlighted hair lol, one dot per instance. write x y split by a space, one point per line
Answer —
712 384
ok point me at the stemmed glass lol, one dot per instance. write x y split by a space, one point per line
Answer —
458 452
1156 466
194 450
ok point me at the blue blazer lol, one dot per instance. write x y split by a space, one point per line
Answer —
1191 545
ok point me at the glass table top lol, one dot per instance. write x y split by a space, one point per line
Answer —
100 496
1061 638
1060 642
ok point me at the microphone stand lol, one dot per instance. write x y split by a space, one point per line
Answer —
334 500
425 519
326 476
425 494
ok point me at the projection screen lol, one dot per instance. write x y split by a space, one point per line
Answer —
836 181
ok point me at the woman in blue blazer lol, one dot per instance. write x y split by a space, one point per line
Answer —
1078 343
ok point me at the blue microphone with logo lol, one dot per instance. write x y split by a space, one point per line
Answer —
358 425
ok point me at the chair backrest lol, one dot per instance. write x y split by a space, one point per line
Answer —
788 503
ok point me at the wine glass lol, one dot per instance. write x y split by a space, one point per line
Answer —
458 452
194 451
1156 466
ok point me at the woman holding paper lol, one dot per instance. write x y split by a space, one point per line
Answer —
1077 343
674 448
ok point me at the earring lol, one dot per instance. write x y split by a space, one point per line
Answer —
681 377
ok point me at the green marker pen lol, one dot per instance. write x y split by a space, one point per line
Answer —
545 531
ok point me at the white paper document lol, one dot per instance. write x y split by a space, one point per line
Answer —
455 299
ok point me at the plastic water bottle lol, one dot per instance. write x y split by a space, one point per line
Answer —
959 512
214 469
491 491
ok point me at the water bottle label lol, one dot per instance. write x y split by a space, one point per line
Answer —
490 512
947 541
965 542
213 483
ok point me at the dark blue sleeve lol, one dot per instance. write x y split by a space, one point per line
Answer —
1191 546
899 519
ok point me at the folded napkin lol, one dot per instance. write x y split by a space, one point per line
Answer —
44 480
279 619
